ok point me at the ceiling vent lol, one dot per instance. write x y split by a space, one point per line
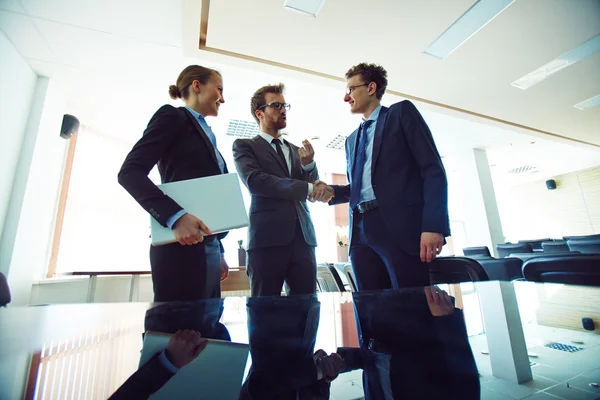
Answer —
338 143
523 169
242 129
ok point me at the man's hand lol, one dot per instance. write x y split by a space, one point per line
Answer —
306 153
431 245
188 230
440 304
224 269
321 192
184 347
330 365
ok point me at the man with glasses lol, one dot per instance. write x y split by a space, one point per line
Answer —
280 177
398 192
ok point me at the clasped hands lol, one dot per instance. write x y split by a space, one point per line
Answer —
321 192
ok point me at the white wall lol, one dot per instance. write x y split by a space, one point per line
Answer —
18 82
31 183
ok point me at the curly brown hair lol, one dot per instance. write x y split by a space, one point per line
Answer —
371 73
258 98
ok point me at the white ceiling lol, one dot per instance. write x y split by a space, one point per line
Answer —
476 77
115 60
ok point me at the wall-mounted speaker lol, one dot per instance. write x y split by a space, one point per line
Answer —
70 126
551 184
588 324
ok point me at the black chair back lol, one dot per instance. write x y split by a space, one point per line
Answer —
583 269
535 244
558 246
506 249
583 237
476 251
350 276
502 269
336 276
326 281
455 270
4 291
585 246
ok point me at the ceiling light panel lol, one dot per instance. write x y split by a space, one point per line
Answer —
310 7
589 103
571 57
475 18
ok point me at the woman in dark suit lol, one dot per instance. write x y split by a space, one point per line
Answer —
182 144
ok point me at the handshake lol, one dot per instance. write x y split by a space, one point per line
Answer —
321 192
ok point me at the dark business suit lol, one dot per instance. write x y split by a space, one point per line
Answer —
282 334
410 186
427 357
175 141
281 236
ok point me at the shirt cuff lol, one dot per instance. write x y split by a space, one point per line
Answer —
309 167
171 221
310 189
166 363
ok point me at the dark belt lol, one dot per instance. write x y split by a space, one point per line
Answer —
367 206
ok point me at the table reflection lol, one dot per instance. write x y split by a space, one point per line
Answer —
483 340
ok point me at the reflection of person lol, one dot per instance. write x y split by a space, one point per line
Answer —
183 146
282 333
201 315
414 345
183 347
279 176
398 192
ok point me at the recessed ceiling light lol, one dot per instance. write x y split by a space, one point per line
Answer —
475 18
569 58
310 7
589 103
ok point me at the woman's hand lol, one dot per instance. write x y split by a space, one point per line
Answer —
190 230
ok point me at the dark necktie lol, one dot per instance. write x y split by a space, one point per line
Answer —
280 153
359 164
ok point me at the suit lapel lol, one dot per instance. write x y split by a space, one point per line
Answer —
378 136
202 135
351 157
267 146
295 160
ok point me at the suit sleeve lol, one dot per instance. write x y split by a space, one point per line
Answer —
260 183
435 185
163 129
144 382
342 192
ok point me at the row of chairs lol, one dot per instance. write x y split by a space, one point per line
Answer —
583 269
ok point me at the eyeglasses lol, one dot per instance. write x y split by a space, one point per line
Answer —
350 89
277 106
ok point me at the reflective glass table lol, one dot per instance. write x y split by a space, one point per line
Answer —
489 340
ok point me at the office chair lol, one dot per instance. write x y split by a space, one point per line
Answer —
476 251
456 270
4 291
585 246
583 269
506 249
326 281
502 269
350 276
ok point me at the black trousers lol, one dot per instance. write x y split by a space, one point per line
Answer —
295 264
184 273
378 261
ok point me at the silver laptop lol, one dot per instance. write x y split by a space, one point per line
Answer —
215 374
217 200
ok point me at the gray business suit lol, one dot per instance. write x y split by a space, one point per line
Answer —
281 236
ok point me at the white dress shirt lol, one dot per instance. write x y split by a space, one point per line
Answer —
286 153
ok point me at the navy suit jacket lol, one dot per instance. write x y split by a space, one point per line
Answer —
407 175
